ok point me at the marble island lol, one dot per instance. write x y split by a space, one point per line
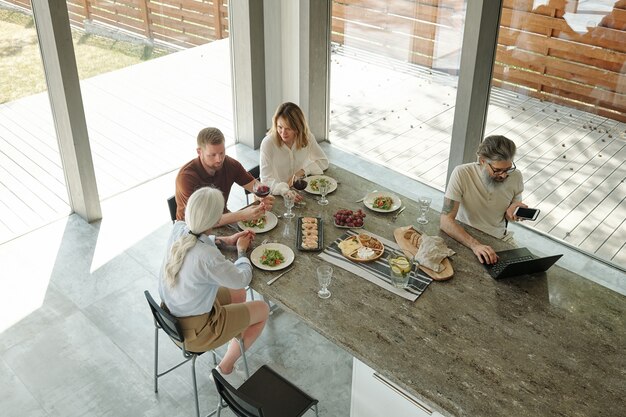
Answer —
552 344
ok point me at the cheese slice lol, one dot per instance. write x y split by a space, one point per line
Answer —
349 246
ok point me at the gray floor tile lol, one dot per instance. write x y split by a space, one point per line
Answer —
15 398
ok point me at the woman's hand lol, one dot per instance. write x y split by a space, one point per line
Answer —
232 239
243 240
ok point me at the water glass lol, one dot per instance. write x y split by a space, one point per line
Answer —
423 204
289 199
400 267
323 188
324 275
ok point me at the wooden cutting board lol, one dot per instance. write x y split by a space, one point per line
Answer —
410 250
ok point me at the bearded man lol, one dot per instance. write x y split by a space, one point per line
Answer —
484 195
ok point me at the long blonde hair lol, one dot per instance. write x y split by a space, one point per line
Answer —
292 114
203 211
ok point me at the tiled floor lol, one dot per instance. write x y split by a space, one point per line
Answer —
76 336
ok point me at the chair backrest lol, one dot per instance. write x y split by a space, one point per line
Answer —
240 404
171 203
166 321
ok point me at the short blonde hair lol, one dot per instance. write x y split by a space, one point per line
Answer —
203 211
210 136
294 116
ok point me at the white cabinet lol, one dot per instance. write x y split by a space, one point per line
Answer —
374 395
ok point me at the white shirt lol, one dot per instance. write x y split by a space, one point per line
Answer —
203 271
483 207
279 163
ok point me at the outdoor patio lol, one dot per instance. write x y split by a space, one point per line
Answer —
143 121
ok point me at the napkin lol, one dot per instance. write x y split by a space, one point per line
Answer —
432 250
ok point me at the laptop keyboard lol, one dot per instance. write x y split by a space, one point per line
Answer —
500 265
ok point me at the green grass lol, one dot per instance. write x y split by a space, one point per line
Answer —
21 68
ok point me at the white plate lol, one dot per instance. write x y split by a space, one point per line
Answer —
270 222
369 200
331 188
255 256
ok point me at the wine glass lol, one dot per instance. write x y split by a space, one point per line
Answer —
324 275
323 186
262 188
289 199
423 206
300 183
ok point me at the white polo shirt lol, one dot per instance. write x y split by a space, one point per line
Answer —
483 207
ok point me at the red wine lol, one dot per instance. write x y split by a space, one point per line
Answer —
262 191
299 184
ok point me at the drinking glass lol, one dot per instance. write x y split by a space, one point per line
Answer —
324 274
400 267
323 186
261 188
289 199
423 206
300 183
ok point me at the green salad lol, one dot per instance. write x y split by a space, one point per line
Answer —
272 257
315 184
383 203
259 223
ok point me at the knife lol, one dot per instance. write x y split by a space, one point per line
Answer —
271 281
395 216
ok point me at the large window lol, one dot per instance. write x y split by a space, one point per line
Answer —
32 185
393 82
559 91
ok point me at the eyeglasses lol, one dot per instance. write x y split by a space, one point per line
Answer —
507 171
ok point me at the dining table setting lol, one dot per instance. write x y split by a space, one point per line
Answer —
446 332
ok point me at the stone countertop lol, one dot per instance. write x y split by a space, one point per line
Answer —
552 344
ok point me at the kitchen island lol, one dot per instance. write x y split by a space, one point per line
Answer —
552 344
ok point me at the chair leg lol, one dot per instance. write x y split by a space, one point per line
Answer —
195 385
243 356
251 293
214 358
156 359
316 413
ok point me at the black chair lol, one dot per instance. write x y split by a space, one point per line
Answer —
171 203
256 173
264 394
169 324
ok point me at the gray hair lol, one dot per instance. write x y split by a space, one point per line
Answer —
497 148
203 211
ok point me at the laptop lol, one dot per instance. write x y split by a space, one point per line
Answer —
520 261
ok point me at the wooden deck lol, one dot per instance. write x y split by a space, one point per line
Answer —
573 162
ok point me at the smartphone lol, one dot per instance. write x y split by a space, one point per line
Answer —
527 213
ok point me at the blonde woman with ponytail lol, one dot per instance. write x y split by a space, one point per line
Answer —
204 289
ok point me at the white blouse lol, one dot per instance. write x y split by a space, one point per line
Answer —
279 163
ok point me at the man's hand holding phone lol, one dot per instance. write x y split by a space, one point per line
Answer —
526 213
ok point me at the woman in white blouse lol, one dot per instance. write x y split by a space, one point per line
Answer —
205 290
290 149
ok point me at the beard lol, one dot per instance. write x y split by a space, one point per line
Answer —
490 182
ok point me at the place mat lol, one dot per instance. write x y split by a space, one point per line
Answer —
376 272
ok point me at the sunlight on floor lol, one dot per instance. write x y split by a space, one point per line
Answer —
22 293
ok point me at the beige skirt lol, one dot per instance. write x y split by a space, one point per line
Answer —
211 330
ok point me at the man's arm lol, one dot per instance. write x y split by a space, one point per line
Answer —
447 223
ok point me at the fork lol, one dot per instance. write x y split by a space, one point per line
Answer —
395 216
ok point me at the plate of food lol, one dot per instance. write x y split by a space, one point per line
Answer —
361 248
310 233
382 202
272 256
349 219
263 224
408 240
312 186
